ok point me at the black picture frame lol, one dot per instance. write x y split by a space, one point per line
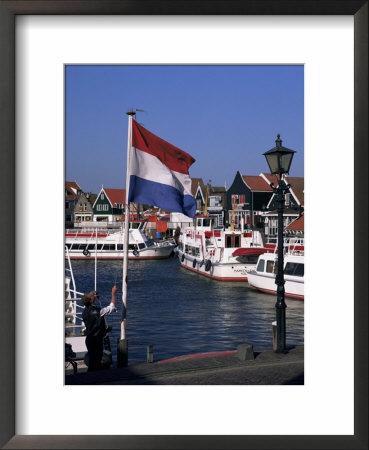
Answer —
8 11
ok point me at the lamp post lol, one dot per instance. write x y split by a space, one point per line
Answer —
279 160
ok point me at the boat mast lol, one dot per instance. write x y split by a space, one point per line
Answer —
206 200
232 216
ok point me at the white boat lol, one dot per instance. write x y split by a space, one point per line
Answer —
220 254
108 244
263 276
74 326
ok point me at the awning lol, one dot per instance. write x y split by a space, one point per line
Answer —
249 251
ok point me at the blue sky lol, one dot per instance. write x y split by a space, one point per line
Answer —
226 117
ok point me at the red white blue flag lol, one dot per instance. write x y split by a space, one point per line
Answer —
159 173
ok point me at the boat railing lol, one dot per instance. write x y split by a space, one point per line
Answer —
73 311
292 246
81 232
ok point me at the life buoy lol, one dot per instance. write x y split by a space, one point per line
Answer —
194 263
86 252
183 257
207 265
135 252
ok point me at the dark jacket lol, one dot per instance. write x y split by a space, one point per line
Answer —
95 325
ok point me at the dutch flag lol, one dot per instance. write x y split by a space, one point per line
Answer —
158 173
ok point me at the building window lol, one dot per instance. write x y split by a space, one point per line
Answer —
287 199
215 201
102 196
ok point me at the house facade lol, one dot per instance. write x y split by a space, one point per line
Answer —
217 204
293 207
247 198
83 210
198 189
72 193
109 205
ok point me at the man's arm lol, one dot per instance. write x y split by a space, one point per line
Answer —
111 308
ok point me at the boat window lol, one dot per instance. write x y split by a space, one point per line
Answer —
141 245
149 243
261 265
120 247
197 252
74 247
82 246
186 248
248 259
206 222
68 245
236 241
296 269
271 267
131 247
109 246
91 247
228 241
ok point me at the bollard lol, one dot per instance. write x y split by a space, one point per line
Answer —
245 352
122 353
150 353
274 329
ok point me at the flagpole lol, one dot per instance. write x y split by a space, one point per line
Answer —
122 347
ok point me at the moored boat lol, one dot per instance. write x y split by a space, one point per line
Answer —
74 327
263 276
220 254
109 244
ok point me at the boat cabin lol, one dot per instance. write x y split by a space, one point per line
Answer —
204 222
293 265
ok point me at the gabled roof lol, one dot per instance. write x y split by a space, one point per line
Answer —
195 182
91 197
270 178
297 188
297 225
217 190
256 183
116 196
297 185
72 188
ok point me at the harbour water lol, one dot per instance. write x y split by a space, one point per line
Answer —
180 312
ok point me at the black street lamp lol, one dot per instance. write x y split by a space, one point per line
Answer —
279 160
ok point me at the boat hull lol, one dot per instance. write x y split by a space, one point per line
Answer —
234 272
293 288
145 254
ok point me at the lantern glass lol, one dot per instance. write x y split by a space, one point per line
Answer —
279 161
273 162
285 162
